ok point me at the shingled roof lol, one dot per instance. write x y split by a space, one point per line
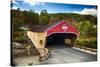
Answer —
42 28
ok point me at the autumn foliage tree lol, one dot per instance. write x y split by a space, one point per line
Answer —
86 24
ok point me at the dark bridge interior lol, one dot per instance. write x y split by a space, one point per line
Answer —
59 40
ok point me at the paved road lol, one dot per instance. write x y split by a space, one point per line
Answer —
63 54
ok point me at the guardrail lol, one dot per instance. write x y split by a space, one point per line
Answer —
86 48
43 53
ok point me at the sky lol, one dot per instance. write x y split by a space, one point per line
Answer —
54 7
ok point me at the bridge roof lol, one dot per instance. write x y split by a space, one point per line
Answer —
56 27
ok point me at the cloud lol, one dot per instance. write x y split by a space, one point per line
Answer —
87 11
31 2
14 1
15 7
38 12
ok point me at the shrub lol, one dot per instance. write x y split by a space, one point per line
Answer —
20 37
88 43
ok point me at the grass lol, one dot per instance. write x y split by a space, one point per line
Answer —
90 43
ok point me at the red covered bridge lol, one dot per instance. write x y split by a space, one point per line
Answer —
58 32
62 27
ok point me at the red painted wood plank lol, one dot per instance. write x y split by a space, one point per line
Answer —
63 27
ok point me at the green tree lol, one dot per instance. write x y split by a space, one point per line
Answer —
44 17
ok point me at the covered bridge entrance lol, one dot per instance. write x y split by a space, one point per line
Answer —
61 40
62 33
58 32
